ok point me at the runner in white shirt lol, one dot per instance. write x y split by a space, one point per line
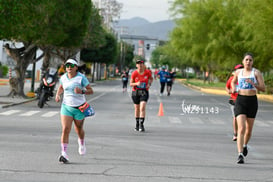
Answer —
74 87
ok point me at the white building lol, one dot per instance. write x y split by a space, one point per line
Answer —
8 61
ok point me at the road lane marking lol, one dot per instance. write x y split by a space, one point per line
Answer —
217 121
153 119
174 120
10 112
50 114
29 113
196 120
102 94
260 123
95 98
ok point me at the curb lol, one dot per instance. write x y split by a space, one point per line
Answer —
267 98
18 103
263 97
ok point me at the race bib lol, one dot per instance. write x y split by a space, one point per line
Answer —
142 85
243 84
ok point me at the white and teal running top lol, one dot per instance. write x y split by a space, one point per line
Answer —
70 98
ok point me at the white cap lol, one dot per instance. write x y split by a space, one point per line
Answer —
72 61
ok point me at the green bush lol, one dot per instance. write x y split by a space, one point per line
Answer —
222 75
4 70
185 75
268 80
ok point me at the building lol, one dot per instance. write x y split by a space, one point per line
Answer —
8 61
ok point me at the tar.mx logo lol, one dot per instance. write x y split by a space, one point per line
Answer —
197 109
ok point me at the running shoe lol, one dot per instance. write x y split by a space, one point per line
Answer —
234 138
64 158
82 148
240 159
245 151
141 129
137 127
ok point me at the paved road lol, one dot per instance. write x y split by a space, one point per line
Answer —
191 142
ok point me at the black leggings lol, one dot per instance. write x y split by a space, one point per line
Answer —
125 83
162 87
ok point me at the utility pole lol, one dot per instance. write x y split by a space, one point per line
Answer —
33 73
121 55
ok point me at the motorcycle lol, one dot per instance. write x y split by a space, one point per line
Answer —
47 86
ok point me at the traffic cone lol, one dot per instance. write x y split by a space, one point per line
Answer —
160 111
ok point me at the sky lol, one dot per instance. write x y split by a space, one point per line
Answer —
151 10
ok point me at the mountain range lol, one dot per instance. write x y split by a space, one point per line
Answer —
142 27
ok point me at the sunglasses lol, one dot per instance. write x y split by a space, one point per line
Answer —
70 65
139 62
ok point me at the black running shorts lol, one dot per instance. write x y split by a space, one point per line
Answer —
247 105
169 83
140 95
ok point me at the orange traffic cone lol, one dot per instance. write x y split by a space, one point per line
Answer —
160 111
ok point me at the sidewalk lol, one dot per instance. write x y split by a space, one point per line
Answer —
9 101
6 101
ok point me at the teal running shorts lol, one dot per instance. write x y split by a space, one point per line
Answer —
72 111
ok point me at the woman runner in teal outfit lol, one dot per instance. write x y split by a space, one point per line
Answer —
74 86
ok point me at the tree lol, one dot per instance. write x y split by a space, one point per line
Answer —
22 58
94 38
46 24
125 55
163 55
110 11
129 56
215 34
155 58
106 53
257 22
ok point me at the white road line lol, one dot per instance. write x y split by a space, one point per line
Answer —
95 98
10 112
50 114
102 94
261 123
153 119
196 120
174 120
29 113
217 121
